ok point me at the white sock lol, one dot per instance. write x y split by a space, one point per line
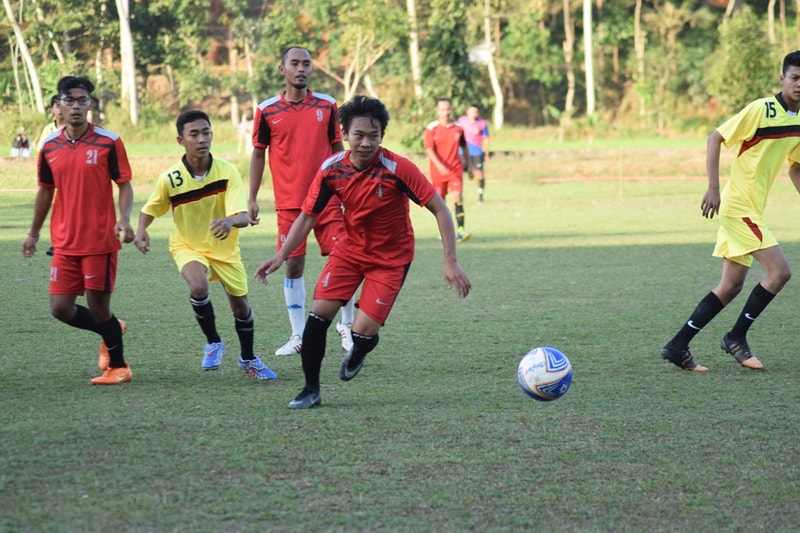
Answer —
348 311
294 292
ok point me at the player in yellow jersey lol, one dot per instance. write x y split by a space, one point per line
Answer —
766 133
209 205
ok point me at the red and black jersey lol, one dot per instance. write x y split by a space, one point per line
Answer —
298 136
83 170
377 226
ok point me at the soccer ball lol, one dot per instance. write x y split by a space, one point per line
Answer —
544 374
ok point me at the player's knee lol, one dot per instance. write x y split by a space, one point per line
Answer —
365 343
61 312
781 276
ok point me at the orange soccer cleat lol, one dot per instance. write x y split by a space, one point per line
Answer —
114 376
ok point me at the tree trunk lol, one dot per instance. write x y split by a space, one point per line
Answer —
782 18
413 52
569 46
248 56
638 43
771 21
233 62
128 60
26 58
587 47
797 20
497 113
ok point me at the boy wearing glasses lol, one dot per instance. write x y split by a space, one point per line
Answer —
82 162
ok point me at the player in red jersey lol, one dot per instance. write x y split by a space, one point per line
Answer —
81 162
376 246
443 139
301 130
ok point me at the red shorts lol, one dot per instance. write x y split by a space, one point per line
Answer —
452 183
75 274
340 279
326 230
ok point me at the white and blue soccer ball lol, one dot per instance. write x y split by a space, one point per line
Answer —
544 374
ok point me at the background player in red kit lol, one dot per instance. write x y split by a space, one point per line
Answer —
301 130
82 162
443 139
376 247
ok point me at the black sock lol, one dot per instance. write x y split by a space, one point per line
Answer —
204 313
112 336
244 329
460 215
362 345
83 320
706 310
759 299
313 351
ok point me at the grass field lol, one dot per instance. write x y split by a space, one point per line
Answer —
434 434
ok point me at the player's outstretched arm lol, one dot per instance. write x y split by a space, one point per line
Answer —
142 240
709 206
794 175
125 201
453 274
301 227
221 227
41 206
257 163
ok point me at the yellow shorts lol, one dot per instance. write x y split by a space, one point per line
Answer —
739 237
232 275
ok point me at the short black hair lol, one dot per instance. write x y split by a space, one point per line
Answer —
363 106
190 116
290 48
792 59
444 99
74 82
54 100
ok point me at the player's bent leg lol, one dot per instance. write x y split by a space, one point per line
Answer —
365 339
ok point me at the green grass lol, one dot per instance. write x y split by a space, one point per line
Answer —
434 434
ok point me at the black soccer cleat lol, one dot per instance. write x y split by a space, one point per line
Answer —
681 358
351 366
741 352
307 399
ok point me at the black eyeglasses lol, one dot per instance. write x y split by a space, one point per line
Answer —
83 100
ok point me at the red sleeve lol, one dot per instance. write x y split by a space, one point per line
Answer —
428 138
121 171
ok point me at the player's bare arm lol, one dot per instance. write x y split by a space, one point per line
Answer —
436 161
221 227
709 206
453 274
142 240
123 224
465 150
794 175
257 163
299 232
41 206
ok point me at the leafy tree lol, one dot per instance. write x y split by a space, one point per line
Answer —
446 68
743 66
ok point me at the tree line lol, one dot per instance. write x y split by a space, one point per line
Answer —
659 65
